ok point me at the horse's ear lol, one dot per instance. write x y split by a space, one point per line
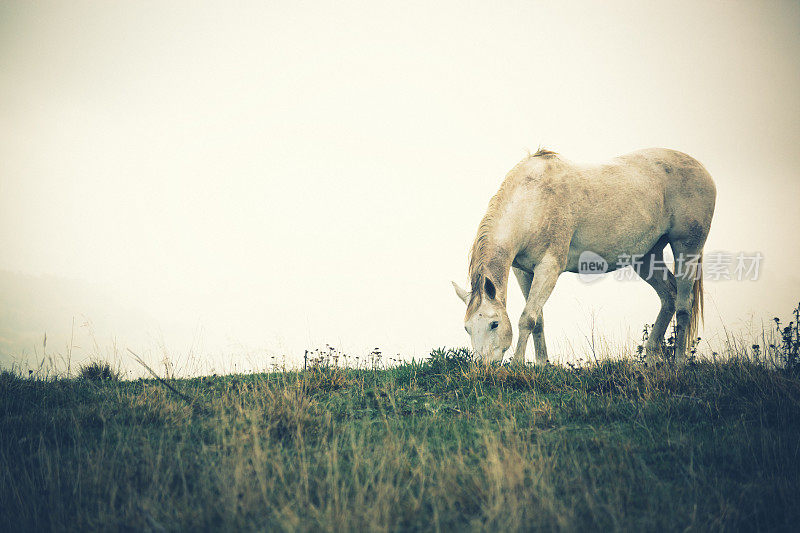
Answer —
488 288
464 295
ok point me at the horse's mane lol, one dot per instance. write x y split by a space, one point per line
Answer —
477 260
544 152
485 259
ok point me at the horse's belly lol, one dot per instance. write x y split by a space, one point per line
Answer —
615 243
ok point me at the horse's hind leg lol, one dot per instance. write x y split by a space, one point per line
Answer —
654 271
688 257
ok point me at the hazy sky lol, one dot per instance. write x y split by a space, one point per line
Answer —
283 175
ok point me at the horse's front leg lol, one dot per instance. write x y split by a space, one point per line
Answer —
537 332
545 275
525 280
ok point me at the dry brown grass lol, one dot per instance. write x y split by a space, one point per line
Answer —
443 445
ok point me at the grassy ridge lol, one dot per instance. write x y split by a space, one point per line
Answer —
438 445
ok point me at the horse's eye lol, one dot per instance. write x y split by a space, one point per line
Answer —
494 325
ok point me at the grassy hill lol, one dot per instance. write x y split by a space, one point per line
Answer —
438 445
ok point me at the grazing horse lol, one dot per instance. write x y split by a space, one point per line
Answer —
550 215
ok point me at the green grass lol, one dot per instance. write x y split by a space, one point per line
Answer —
440 445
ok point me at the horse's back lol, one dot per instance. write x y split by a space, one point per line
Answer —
627 204
680 173
689 191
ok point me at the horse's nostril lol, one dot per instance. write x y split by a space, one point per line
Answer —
494 325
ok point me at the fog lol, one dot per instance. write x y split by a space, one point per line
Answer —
232 184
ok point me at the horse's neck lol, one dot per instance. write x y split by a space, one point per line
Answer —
502 235
496 265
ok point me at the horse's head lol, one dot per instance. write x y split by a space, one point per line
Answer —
486 322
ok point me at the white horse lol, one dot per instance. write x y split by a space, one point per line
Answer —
549 211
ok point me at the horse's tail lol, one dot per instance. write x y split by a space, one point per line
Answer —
697 304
